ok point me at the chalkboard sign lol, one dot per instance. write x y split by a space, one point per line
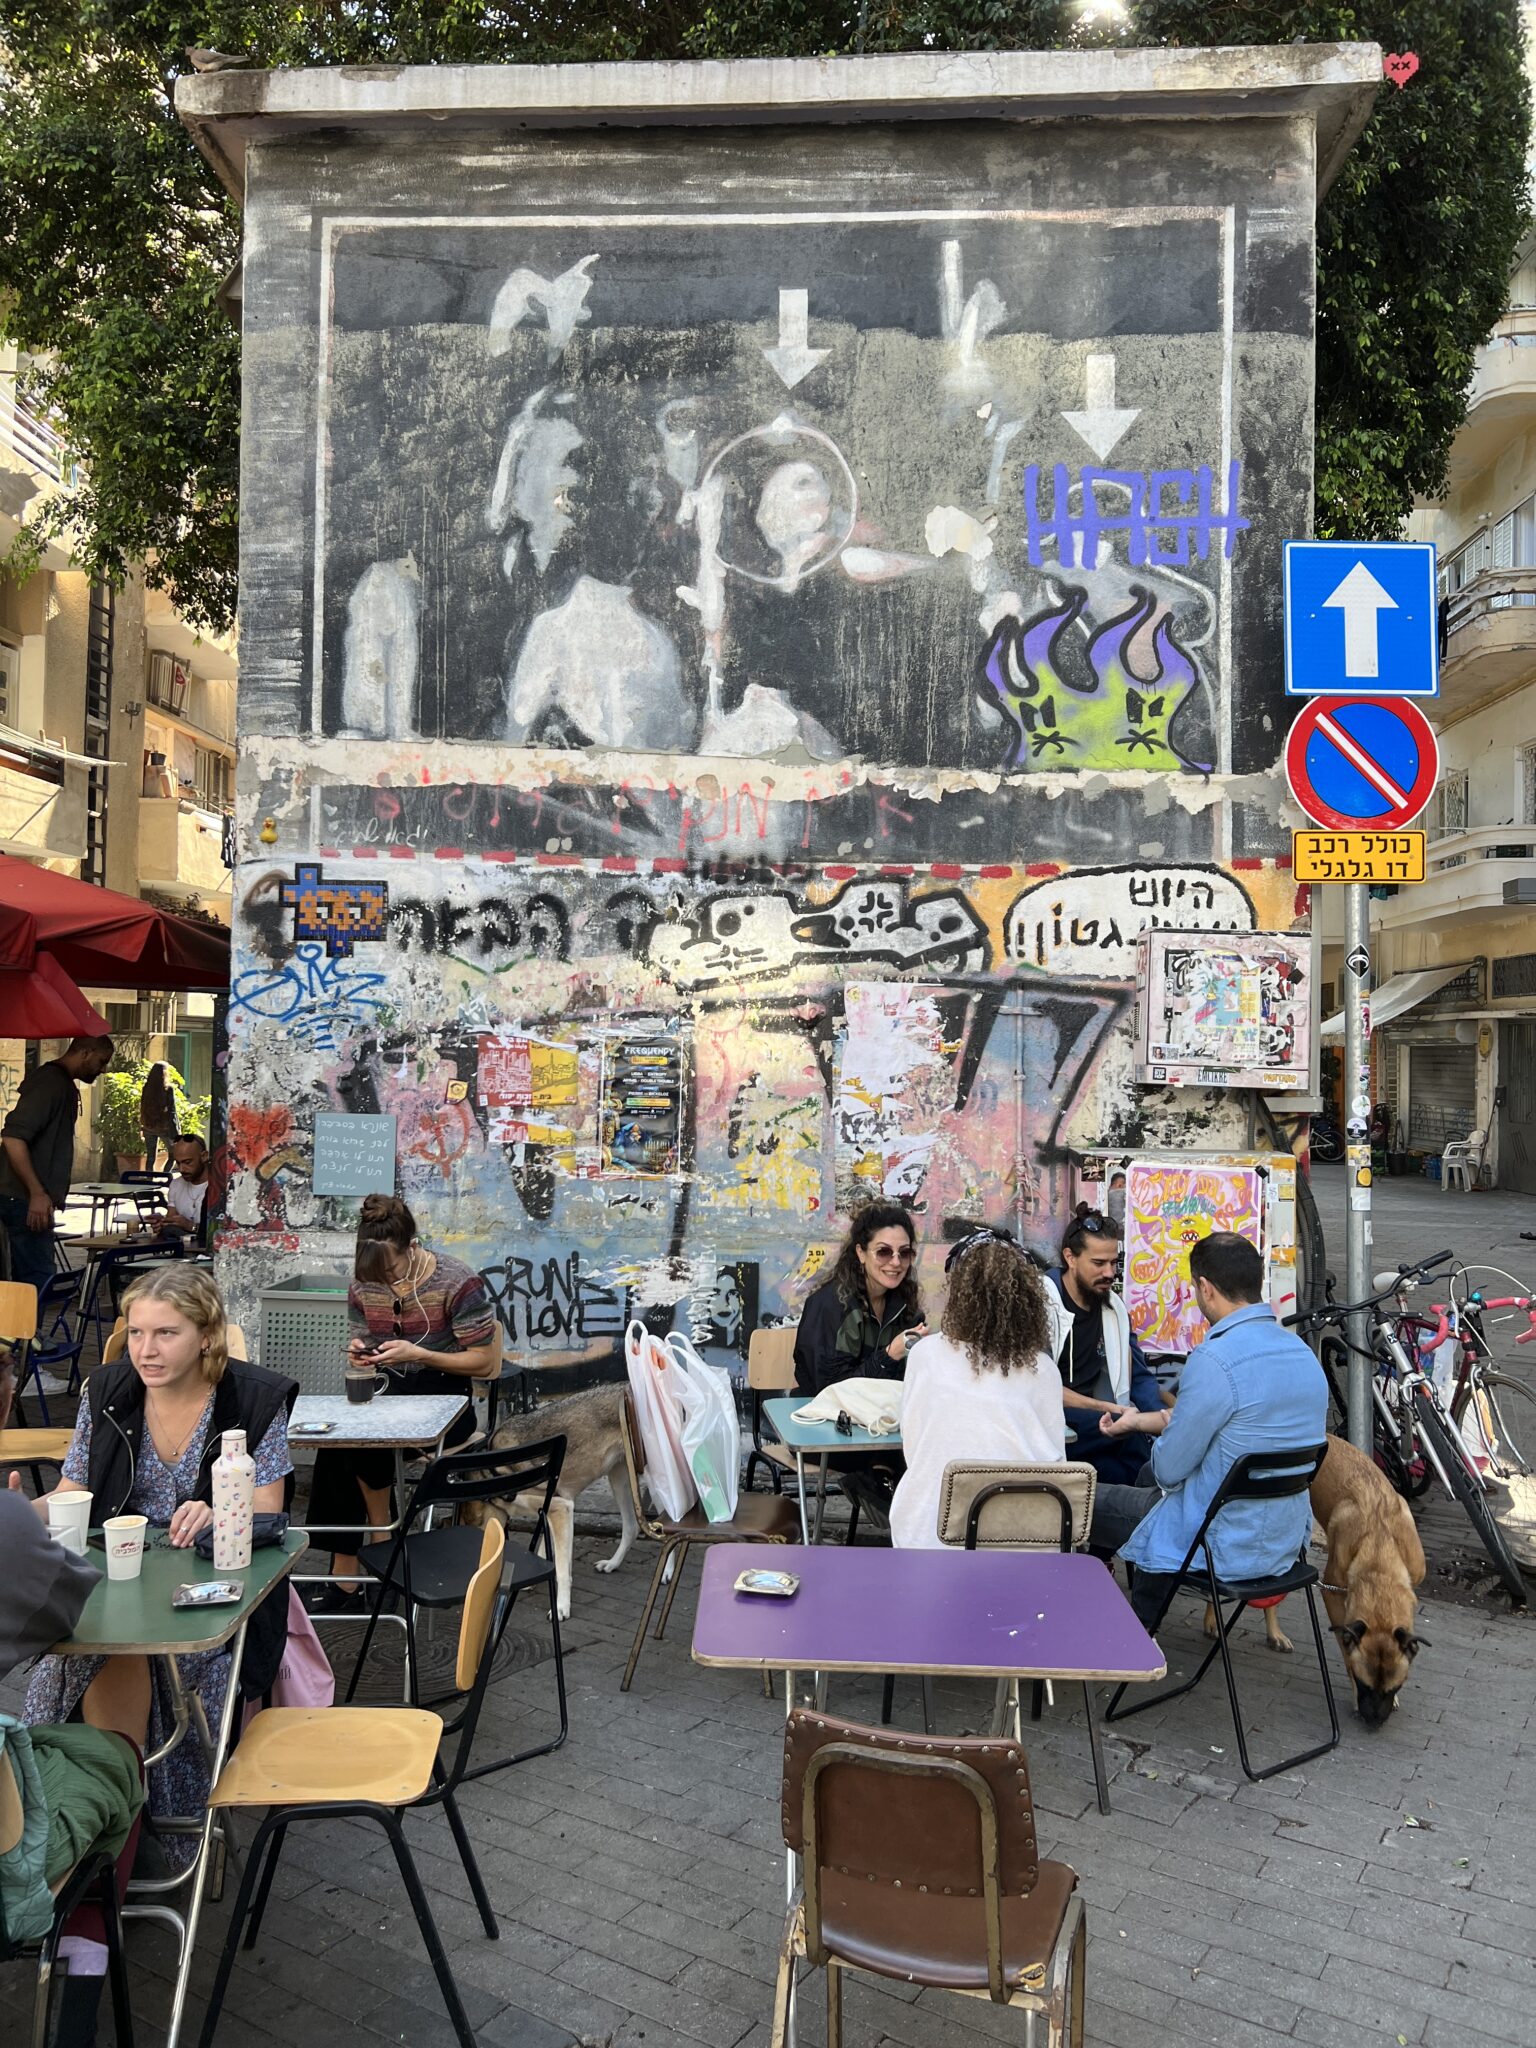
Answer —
354 1155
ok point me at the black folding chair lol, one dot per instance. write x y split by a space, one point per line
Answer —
1262 1475
432 1567
94 1877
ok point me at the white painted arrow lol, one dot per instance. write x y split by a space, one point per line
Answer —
792 360
1103 422
1360 598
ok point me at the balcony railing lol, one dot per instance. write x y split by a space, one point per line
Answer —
1465 875
37 443
1490 637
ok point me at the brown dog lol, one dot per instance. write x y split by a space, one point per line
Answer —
1375 1556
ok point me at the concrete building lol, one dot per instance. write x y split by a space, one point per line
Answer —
758 582
1454 958
117 743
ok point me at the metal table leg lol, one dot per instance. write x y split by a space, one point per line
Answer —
805 1528
197 1876
821 1497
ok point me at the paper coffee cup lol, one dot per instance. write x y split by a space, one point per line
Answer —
124 1536
69 1517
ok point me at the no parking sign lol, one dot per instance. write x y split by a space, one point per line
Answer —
1362 761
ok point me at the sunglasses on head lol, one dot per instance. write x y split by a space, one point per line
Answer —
1093 1224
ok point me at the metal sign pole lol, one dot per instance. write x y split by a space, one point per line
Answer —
1357 1111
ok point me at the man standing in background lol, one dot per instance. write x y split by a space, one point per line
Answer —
37 1154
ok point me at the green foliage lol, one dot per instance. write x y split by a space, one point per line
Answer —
117 1105
114 235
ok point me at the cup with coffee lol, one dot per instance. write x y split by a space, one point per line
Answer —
363 1381
124 1539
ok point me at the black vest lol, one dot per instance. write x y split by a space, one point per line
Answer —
247 1397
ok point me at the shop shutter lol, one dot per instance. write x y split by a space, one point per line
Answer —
1442 1092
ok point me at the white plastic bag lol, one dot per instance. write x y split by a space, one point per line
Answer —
711 1434
654 1383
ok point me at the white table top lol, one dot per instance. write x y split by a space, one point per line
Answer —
387 1422
109 1190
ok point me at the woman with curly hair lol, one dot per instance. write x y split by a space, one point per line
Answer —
985 1386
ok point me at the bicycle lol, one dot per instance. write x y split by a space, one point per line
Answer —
1415 1436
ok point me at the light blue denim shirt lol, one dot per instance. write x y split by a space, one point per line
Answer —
1251 1386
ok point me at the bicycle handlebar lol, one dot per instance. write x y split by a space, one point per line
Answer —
1336 1311
1525 1301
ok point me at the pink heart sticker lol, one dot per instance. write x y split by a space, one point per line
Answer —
1400 67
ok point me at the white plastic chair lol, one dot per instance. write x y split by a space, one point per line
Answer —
1463 1156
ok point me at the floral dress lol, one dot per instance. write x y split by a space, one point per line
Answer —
179 1785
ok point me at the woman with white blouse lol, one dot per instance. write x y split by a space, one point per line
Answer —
985 1386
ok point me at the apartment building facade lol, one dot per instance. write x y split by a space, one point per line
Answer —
117 742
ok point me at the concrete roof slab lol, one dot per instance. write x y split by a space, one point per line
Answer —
1333 84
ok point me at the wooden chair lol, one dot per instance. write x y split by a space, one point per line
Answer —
921 1866
1023 1507
18 1328
759 1518
93 1877
34 1448
770 1370
364 1763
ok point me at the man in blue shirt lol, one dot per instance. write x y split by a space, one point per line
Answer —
1251 1386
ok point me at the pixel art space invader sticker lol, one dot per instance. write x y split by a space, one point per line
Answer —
338 913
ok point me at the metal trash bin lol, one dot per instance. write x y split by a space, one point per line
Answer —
304 1331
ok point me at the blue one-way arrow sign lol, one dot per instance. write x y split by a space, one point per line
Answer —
1360 617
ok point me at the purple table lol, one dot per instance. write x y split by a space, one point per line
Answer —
936 1613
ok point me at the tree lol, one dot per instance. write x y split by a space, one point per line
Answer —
115 236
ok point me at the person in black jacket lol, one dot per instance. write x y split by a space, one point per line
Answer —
860 1324
146 1438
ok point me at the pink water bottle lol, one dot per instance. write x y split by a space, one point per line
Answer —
234 1504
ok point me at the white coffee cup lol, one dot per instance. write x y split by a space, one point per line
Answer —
125 1545
69 1517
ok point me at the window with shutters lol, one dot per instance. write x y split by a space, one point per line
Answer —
1528 783
10 681
1446 812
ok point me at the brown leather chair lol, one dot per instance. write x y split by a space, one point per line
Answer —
920 1864
759 1518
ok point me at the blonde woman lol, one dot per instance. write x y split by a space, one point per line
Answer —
145 1442
985 1386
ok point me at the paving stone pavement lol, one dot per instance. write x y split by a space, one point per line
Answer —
1384 1893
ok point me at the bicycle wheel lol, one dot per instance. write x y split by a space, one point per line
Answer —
1507 1412
1397 1452
1468 1489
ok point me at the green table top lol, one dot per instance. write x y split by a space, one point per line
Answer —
136 1615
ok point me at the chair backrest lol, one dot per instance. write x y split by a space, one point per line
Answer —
234 1337
18 1311
488 1474
885 1810
12 1818
771 1359
480 1604
634 1464
1016 1507
1266 1475
117 1342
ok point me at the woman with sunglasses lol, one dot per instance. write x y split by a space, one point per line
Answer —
426 1322
860 1324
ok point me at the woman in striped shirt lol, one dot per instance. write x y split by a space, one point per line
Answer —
424 1320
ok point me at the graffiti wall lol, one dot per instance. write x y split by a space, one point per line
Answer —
742 631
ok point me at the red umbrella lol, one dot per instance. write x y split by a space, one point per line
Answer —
99 936
42 1002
